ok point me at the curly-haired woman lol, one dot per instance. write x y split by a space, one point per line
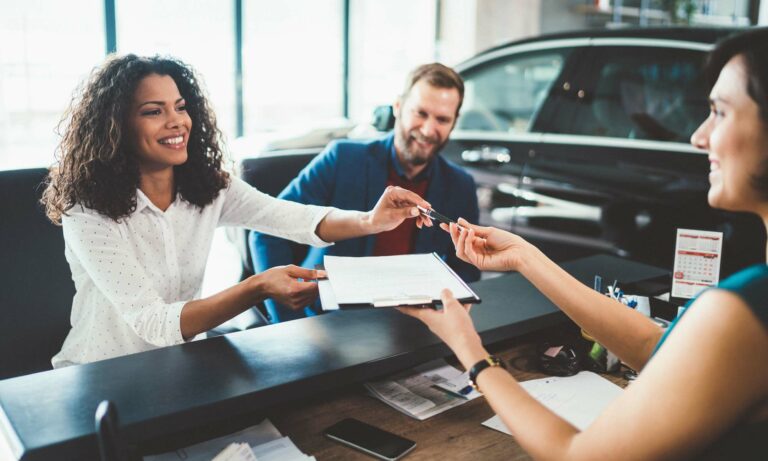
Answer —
703 391
139 190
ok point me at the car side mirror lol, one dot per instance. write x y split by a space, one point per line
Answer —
383 118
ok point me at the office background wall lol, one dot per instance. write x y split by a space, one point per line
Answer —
272 66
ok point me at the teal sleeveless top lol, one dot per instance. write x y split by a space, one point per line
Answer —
750 284
744 441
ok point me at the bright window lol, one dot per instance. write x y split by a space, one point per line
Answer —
46 49
387 40
292 63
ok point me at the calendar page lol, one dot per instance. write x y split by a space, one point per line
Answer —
697 261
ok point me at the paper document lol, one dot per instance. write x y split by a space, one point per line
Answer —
393 280
236 452
578 399
327 298
281 449
205 451
416 393
459 385
262 442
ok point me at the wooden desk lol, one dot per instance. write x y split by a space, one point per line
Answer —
455 434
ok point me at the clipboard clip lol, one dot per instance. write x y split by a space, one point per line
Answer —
413 300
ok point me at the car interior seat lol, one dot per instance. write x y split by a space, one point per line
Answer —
476 118
618 96
36 298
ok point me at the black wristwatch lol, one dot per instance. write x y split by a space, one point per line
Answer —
490 361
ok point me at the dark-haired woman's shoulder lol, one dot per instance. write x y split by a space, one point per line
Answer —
751 285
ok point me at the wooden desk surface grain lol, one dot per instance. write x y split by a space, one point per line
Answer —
454 434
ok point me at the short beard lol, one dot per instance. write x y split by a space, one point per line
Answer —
410 157
413 159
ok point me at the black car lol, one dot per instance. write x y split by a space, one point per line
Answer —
580 143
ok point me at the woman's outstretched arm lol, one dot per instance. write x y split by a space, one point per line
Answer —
706 379
624 331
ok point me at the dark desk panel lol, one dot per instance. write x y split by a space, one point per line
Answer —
49 415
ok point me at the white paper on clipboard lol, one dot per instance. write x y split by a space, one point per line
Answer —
384 281
697 261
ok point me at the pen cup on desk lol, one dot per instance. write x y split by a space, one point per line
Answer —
602 359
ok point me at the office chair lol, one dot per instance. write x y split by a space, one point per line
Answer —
37 287
269 173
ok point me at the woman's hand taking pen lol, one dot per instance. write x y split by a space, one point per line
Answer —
488 248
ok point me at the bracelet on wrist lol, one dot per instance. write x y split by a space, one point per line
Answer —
488 362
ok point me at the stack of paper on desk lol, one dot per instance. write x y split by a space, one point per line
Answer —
417 392
386 281
262 442
578 399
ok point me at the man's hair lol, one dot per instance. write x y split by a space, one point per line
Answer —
753 47
97 166
436 75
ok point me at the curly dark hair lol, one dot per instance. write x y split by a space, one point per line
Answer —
96 165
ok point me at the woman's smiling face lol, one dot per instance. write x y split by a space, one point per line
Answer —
736 138
160 125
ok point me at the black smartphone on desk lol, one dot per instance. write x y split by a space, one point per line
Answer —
370 439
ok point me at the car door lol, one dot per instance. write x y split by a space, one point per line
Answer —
603 163
628 140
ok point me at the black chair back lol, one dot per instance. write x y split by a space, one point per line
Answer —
37 288
270 173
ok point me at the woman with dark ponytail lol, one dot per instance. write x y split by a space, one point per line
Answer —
703 389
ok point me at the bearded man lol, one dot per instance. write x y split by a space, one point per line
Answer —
352 174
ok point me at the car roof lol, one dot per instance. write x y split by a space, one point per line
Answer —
689 34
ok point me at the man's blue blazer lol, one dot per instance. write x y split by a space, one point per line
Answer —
352 175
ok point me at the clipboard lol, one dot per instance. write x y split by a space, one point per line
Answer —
392 281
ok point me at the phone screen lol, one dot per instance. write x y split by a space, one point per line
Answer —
370 439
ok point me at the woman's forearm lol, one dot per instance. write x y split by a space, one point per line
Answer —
540 432
201 315
624 331
344 224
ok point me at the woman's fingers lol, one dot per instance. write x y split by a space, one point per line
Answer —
301 273
460 243
480 231
455 234
469 240
446 296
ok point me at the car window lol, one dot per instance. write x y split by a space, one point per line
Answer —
505 94
641 93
